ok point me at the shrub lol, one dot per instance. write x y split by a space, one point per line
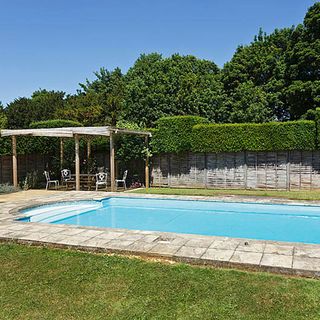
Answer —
272 136
173 134
7 188
57 123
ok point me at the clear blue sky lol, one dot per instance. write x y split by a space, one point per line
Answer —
55 44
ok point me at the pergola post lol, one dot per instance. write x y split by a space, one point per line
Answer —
77 158
88 154
147 165
14 162
112 165
61 153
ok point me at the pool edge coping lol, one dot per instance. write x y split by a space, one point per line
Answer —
15 212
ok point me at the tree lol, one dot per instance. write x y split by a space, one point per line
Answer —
3 117
262 63
109 91
84 108
41 106
178 85
249 103
301 96
303 66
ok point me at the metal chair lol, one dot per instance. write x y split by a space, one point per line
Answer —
49 181
123 180
101 179
66 175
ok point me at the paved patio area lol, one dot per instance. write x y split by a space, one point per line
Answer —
281 257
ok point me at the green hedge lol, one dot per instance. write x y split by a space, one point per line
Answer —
57 123
272 136
173 134
44 145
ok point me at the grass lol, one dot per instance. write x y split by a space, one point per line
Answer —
43 283
294 195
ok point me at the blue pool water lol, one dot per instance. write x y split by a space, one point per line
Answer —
240 220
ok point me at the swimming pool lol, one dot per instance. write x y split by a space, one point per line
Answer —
280 222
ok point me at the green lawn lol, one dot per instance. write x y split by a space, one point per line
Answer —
42 283
295 195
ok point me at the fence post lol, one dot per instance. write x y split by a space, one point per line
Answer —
205 170
245 168
169 170
288 171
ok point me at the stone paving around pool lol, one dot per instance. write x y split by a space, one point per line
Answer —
280 257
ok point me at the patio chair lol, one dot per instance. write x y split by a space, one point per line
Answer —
123 180
49 181
65 175
101 179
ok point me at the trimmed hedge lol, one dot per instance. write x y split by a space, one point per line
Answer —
57 123
272 136
174 134
44 145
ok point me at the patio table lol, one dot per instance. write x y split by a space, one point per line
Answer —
86 180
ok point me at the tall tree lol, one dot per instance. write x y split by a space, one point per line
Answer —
3 117
84 108
249 103
109 88
262 63
303 66
177 85
41 106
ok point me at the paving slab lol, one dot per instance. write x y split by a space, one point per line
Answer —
305 263
109 235
296 258
307 251
218 255
245 257
279 249
277 260
165 249
228 244
119 244
141 246
190 252
251 246
199 243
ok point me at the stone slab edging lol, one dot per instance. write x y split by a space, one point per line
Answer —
249 254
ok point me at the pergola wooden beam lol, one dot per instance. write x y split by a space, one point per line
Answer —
147 165
76 133
70 132
77 162
112 164
14 162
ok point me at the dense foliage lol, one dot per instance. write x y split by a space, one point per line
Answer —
272 136
3 117
274 78
158 87
56 123
178 134
174 134
41 106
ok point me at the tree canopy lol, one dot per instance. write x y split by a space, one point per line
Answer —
274 78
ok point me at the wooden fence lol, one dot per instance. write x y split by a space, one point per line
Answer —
245 170
38 163
26 164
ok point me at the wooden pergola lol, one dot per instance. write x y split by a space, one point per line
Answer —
75 133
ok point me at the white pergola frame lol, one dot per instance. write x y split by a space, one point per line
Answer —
75 133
